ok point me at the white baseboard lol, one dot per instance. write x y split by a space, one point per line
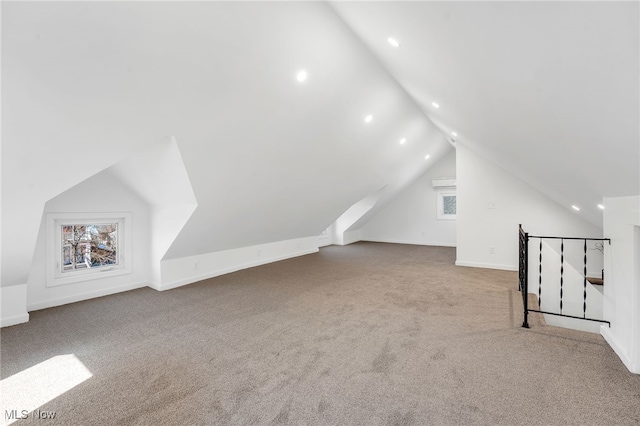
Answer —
412 242
487 265
350 241
228 270
346 243
14 320
13 305
180 272
605 332
50 303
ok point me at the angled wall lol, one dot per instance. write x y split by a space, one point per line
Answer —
491 204
158 176
269 159
341 226
100 193
410 218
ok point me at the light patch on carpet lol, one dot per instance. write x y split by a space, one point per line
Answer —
29 389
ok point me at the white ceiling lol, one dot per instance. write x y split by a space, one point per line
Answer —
89 84
547 90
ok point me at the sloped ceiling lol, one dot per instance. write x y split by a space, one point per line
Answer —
86 85
547 90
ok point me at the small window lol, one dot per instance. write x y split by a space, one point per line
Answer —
87 246
447 204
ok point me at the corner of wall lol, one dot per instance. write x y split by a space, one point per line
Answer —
351 237
606 333
13 305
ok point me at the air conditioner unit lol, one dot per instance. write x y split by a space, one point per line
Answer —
444 182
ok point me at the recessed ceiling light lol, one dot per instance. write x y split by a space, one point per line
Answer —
403 141
426 157
301 76
454 134
600 206
368 118
392 41
576 208
435 105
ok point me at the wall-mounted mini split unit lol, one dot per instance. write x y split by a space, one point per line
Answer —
444 182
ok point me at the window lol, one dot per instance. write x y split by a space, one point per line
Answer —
447 204
90 245
87 246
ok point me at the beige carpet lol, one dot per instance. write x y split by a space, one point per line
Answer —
364 334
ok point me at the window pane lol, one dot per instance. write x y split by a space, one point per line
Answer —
449 204
87 246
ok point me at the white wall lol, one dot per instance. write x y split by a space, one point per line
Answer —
480 228
186 270
269 158
327 239
622 278
13 305
100 193
410 218
528 98
158 176
342 234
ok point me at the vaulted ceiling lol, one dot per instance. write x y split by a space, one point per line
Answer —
270 158
547 90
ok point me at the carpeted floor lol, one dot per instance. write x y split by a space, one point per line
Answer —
364 334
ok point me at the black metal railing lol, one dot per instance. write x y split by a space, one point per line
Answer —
523 275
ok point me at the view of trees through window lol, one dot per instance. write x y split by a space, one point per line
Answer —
87 246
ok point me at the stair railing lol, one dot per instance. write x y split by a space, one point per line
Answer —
523 276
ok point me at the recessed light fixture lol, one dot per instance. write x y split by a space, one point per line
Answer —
576 208
392 41
301 76
426 157
435 105
368 118
454 134
403 141
600 206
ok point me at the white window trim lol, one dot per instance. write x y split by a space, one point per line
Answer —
440 204
55 277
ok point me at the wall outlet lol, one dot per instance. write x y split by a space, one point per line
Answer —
492 250
259 252
196 266
491 205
